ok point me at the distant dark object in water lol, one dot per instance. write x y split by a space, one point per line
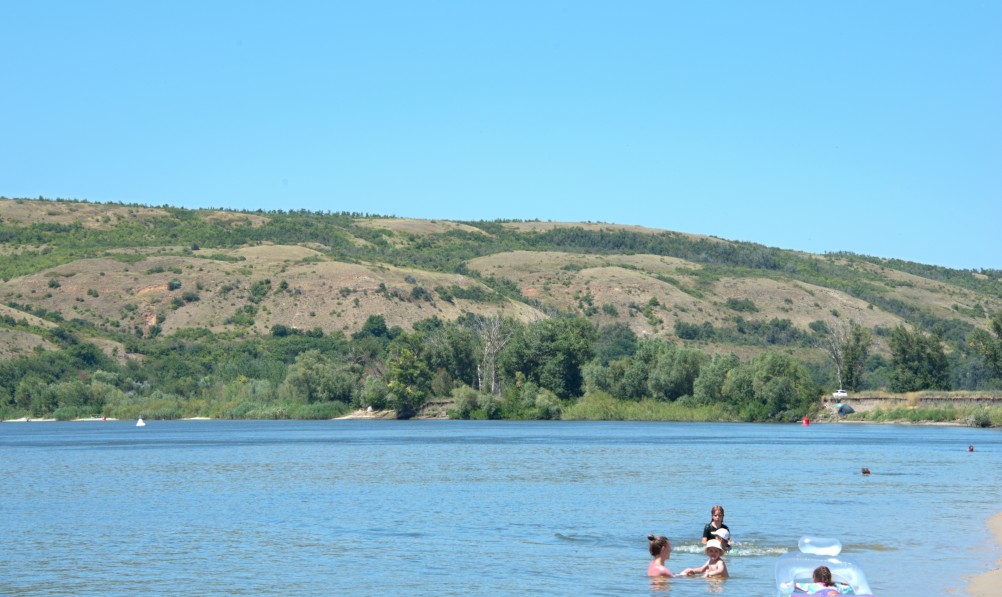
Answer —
970 448
866 471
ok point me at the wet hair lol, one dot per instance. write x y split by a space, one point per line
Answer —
823 575
715 509
657 544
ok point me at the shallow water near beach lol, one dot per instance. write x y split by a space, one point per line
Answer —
480 508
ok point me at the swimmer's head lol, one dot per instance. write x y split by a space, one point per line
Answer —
657 544
823 575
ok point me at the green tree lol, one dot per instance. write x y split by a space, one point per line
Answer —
597 377
856 352
450 351
675 372
408 381
783 388
71 393
33 395
529 402
988 347
315 378
635 372
615 341
738 389
918 361
551 354
374 326
373 393
369 353
709 386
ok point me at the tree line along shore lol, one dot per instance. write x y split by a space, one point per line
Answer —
477 367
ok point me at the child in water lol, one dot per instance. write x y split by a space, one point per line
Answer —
715 566
823 576
724 536
716 522
660 550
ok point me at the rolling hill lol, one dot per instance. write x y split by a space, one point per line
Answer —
139 271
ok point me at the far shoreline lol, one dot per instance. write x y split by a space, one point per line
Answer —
382 415
94 419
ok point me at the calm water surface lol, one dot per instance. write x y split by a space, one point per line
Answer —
480 508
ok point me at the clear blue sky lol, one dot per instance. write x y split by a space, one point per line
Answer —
868 126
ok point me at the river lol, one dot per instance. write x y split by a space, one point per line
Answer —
480 507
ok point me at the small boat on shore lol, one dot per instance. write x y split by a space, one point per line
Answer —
795 570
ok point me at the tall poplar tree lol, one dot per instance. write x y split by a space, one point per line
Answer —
988 347
919 361
848 345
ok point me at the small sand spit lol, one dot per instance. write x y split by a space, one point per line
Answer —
370 414
988 583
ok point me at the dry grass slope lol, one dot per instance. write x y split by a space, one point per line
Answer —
175 288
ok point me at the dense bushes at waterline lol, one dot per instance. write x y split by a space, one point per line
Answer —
485 368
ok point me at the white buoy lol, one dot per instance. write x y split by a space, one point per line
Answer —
140 422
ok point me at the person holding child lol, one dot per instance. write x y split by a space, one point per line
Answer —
715 566
660 548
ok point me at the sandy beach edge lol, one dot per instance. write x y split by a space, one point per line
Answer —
987 584
368 414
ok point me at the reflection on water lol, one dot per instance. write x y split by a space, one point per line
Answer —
691 585
475 508
661 585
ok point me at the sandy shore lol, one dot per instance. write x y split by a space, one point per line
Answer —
369 414
987 584
98 419
27 420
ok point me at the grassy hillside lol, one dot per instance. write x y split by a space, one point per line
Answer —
134 280
133 269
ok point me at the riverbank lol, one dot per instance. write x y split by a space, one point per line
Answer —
369 414
27 420
987 584
88 419
440 414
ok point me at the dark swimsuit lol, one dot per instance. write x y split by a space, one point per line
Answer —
708 530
